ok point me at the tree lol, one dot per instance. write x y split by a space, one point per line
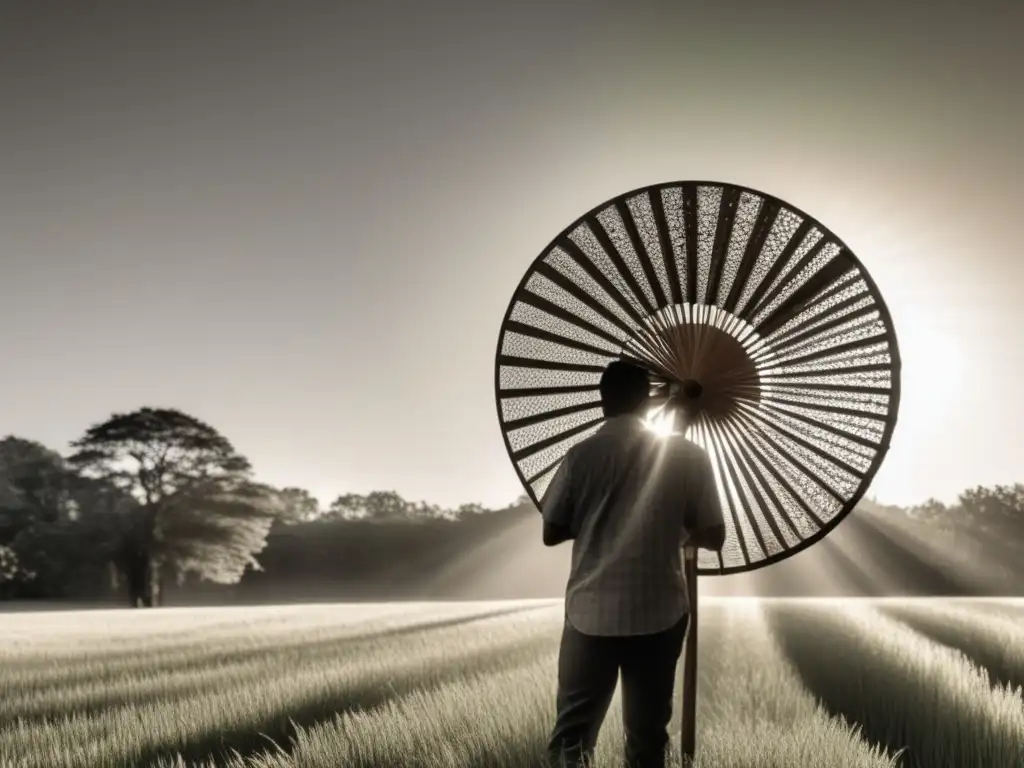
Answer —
51 521
468 510
9 567
12 574
348 506
380 507
997 512
931 511
215 528
298 506
196 508
35 485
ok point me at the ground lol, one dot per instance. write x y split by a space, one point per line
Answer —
782 683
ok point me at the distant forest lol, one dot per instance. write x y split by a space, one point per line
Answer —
156 507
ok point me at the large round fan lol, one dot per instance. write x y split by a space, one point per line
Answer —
750 315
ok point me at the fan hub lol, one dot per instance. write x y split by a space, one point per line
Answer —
696 365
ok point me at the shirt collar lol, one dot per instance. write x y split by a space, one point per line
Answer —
625 423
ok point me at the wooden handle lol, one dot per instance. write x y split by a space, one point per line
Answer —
688 740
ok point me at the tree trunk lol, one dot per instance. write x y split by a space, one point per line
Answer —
153 585
136 579
144 576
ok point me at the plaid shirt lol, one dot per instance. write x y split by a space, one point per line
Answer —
631 500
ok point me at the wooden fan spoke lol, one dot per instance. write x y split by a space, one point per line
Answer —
869 378
783 239
844 388
773 508
866 424
556 413
846 325
534 402
848 447
609 307
775 461
560 323
821 402
728 201
804 239
787 432
612 232
837 371
531 392
816 317
539 484
823 432
690 233
510 379
746 521
871 345
829 266
547 442
545 468
637 249
766 218
666 248
591 243
851 281
514 361
573 315
751 220
764 516
804 458
728 504
551 337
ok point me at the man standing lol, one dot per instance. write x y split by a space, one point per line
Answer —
629 500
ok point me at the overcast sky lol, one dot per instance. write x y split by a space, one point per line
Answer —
302 222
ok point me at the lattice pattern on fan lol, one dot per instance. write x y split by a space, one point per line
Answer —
764 307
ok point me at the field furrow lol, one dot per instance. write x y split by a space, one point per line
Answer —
166 681
470 722
753 709
989 638
754 713
1011 607
782 683
205 646
271 698
903 688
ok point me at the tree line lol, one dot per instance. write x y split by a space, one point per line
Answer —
157 497
982 532
148 496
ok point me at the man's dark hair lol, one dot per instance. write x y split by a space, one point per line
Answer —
624 388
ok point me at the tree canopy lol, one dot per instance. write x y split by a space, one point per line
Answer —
154 453
198 509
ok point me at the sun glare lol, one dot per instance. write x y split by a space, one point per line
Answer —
660 422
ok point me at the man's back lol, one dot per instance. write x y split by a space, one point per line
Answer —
635 499
629 500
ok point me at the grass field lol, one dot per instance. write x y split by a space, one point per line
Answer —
922 683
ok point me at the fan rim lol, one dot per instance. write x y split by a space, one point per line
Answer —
895 392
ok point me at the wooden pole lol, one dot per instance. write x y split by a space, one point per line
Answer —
688 741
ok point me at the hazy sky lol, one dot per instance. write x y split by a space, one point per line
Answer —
302 222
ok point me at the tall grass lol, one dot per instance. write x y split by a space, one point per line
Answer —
987 637
303 687
754 714
81 677
906 690
782 683
753 709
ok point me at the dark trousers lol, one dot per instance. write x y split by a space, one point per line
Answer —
588 669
